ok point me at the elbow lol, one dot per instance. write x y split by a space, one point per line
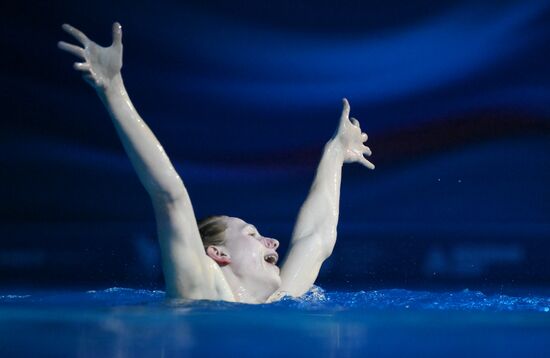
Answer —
324 242
326 251
316 247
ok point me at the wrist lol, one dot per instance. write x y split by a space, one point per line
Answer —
112 87
335 149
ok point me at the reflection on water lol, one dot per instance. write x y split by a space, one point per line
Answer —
126 322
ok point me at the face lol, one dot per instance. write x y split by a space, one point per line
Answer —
253 256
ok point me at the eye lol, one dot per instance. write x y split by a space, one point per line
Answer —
255 234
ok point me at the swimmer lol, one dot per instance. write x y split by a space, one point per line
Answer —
220 257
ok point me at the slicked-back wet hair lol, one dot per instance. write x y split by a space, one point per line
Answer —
212 230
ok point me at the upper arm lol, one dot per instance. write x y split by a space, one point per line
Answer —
302 264
189 272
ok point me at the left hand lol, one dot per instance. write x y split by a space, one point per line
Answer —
351 139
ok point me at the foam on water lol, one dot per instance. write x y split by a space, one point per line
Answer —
316 299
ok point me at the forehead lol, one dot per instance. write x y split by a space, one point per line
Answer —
238 224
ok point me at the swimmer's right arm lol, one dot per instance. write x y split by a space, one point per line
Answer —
101 69
188 272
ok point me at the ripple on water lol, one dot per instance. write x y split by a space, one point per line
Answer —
315 299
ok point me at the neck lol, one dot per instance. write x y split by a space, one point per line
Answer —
245 291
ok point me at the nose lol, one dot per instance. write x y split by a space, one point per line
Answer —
270 243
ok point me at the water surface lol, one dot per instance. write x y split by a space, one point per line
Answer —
133 322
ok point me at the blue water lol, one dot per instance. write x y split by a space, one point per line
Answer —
130 322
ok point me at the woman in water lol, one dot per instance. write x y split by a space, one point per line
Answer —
220 257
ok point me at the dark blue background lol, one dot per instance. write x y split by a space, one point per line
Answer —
243 95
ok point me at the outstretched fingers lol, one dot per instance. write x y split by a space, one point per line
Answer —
366 163
72 49
81 66
77 34
367 151
350 129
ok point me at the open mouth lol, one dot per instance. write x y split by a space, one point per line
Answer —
271 258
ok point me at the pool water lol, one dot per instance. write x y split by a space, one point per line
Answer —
127 322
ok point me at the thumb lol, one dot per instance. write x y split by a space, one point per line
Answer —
345 108
344 117
117 34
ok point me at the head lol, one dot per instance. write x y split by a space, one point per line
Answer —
242 252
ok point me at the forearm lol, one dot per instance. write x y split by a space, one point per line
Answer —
318 215
151 163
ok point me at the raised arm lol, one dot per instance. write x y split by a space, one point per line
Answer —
314 234
189 273
101 69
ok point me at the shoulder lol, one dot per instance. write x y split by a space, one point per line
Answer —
201 280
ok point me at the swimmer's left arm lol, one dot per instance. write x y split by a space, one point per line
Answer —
314 234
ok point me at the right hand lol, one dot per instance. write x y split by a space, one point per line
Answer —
101 64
